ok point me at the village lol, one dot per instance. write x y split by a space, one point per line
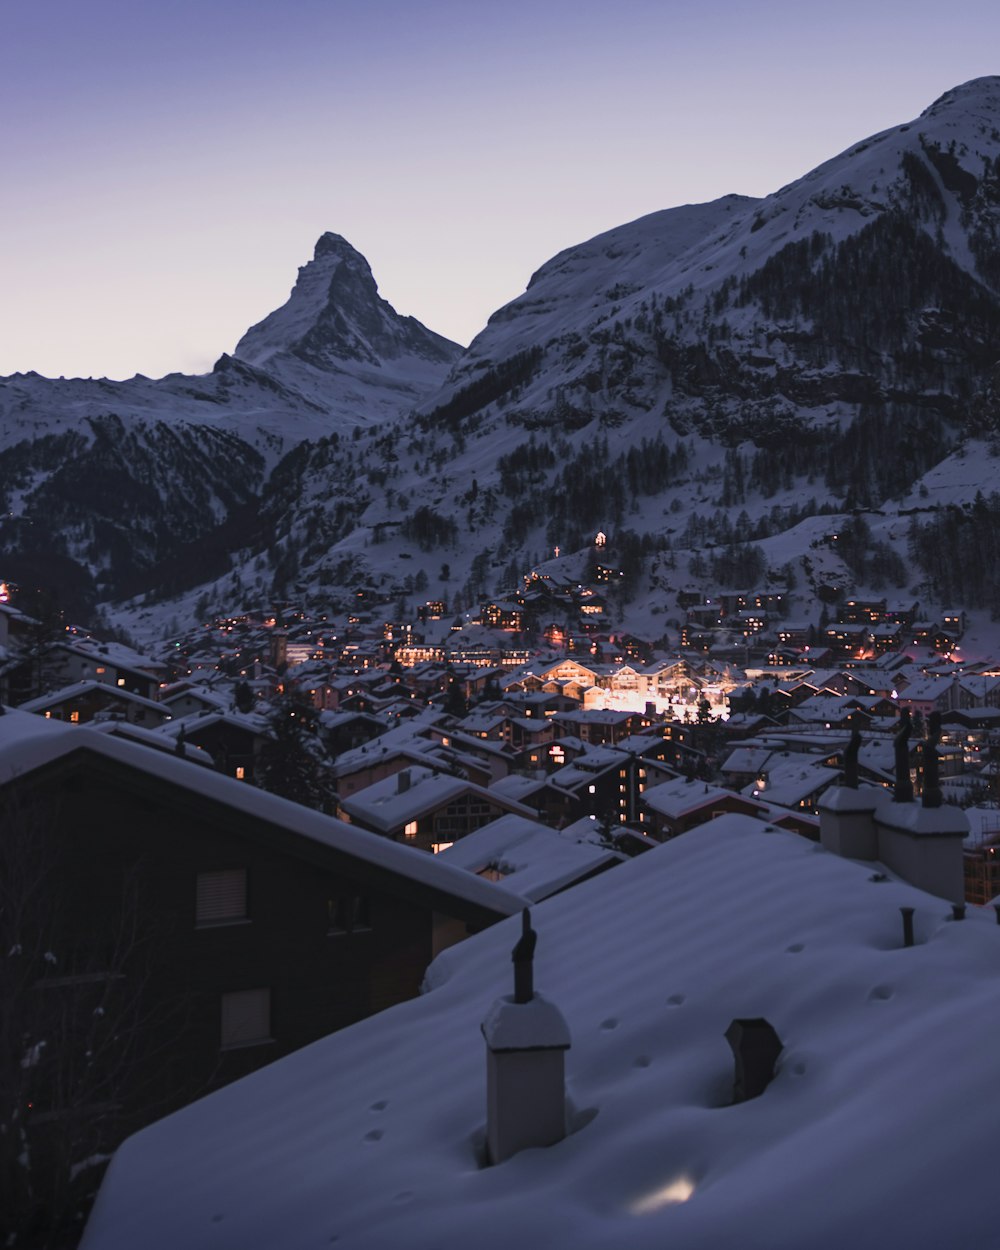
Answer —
291 817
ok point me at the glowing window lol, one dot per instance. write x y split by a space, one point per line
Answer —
410 830
592 789
240 773
438 847
121 681
75 717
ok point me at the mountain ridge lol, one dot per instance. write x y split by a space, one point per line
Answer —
764 354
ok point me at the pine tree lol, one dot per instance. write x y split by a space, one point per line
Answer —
294 763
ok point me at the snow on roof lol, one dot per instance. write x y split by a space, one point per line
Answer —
875 1131
79 688
154 738
28 742
791 781
680 797
747 759
516 786
534 859
411 793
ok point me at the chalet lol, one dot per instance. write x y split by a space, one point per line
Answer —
600 726
792 782
193 928
588 786
111 663
233 740
502 615
862 611
425 808
343 731
529 857
931 694
80 703
679 805
795 633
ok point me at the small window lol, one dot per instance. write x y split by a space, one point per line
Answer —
75 717
221 897
410 829
349 913
99 669
438 847
240 772
121 681
246 1018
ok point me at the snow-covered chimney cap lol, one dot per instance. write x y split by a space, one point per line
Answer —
536 1025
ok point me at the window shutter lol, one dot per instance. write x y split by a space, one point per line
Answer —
246 1017
221 896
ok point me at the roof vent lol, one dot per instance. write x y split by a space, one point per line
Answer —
756 1048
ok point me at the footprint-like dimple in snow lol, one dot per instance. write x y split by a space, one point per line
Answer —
881 993
380 1105
643 1061
675 1000
609 1024
404 1195
374 1135
799 1069
795 948
217 1218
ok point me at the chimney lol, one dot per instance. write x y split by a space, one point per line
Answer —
756 1048
526 1037
402 781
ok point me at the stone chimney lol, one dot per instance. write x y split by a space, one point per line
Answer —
402 781
919 842
526 1037
846 824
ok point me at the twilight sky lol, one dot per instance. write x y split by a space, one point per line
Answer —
166 167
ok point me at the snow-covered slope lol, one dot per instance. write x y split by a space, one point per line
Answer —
738 300
876 1132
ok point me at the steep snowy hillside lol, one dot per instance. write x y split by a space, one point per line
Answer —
875 279
699 383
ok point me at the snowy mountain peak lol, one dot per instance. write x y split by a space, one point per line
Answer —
330 244
335 315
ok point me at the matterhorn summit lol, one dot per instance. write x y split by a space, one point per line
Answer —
335 321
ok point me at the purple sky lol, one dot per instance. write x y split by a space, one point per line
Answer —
165 168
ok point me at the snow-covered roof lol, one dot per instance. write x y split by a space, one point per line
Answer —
875 1131
78 689
534 859
29 742
679 797
411 793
